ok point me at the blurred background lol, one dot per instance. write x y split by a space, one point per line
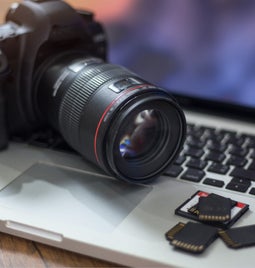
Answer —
103 8
202 48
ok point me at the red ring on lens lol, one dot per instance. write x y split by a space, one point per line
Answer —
105 113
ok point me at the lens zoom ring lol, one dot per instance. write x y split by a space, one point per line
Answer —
78 95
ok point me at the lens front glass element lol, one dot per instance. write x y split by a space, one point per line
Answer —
140 135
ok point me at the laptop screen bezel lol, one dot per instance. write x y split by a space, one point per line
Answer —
214 107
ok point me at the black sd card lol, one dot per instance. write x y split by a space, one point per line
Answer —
214 208
189 209
192 237
239 237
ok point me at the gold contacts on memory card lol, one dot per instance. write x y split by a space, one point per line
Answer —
192 237
239 237
190 209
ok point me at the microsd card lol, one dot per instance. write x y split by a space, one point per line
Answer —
239 237
189 209
192 237
214 208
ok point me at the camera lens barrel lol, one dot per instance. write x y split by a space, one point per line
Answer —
125 125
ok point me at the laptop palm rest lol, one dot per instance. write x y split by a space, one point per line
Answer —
69 196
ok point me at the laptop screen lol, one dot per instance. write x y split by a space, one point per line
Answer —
202 49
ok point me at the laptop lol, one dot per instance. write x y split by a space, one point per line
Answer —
204 54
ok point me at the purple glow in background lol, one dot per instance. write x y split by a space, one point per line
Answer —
202 48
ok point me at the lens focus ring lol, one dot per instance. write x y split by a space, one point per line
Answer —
77 96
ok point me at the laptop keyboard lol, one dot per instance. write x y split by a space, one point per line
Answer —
217 157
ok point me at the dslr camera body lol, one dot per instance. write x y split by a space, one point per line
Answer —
36 31
53 74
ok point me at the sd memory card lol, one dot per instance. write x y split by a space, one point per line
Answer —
192 237
214 208
239 237
189 209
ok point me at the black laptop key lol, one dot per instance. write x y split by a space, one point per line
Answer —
215 137
42 139
252 155
180 160
197 153
250 143
252 191
215 157
173 171
196 163
196 143
210 130
217 146
241 181
237 187
218 168
237 161
243 173
196 132
238 151
238 141
214 182
194 175
229 133
190 128
252 165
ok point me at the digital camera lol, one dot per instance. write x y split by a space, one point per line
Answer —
54 74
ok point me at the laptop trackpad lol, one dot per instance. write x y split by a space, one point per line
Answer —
60 194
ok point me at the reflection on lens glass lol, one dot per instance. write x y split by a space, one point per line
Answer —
140 135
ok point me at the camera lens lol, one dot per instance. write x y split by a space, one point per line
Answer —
140 135
130 128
